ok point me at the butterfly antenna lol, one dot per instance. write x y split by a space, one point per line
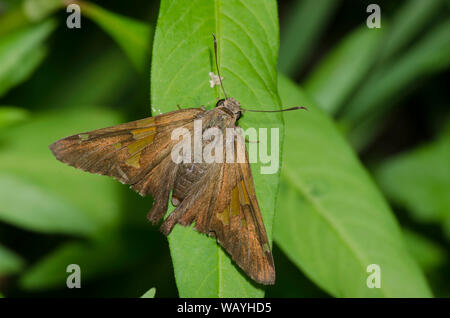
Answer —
274 111
217 65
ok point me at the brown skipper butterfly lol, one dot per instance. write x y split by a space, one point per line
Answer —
219 198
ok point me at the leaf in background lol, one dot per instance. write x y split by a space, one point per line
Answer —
338 75
247 34
71 197
133 36
428 254
21 13
96 259
10 262
370 103
12 20
331 220
36 10
419 181
291 283
300 34
10 115
21 52
150 294
410 20
109 73
27 206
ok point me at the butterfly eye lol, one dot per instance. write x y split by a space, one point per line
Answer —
220 103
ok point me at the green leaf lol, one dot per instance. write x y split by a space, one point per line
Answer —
12 19
419 181
331 220
150 293
428 254
10 115
342 70
23 13
371 102
10 262
247 34
304 25
36 10
133 36
59 198
21 52
410 19
96 259
109 73
26 205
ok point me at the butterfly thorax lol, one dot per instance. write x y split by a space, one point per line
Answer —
230 106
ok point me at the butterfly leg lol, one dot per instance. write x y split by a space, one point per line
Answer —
251 141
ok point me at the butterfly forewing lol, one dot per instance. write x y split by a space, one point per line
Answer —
124 151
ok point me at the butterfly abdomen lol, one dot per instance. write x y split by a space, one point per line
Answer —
188 174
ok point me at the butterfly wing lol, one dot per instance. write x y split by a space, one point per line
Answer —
135 153
224 205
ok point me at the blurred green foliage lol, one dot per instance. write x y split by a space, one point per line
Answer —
330 212
378 110
150 294
419 181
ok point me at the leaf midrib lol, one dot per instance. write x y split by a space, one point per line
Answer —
333 224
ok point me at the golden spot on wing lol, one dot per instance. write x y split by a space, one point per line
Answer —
243 223
243 195
118 146
175 201
235 204
234 209
266 248
140 144
133 161
143 132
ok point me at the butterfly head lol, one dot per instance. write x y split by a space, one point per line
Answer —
230 106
